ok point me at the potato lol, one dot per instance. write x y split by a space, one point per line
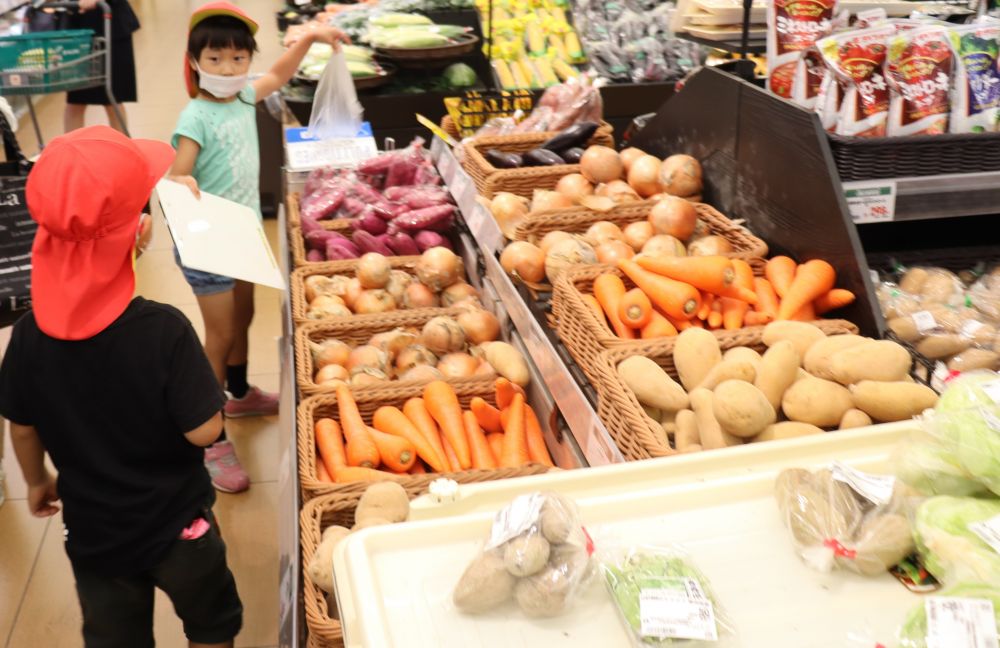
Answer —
745 354
687 431
484 585
854 418
939 287
905 328
936 347
557 519
913 280
320 566
816 401
526 554
651 384
741 409
652 412
974 359
508 362
779 369
787 430
817 359
709 431
696 351
545 594
980 334
892 401
729 370
802 335
882 541
872 360
386 500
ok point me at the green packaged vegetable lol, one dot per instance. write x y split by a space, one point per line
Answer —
975 603
460 75
947 532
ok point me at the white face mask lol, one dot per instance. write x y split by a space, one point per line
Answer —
221 87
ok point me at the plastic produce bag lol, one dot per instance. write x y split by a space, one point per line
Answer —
951 535
336 111
537 554
664 600
948 618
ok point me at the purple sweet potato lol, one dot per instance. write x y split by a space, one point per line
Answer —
424 197
352 207
337 252
310 225
315 256
433 218
368 243
403 244
426 240
370 222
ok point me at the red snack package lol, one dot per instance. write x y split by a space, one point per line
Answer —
920 67
795 68
858 60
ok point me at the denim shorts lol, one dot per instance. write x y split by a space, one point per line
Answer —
205 283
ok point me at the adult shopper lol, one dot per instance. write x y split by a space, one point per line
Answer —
118 391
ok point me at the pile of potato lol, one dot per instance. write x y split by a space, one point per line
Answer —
805 383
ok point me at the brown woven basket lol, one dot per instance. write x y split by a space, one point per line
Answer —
316 515
298 244
636 435
352 333
325 406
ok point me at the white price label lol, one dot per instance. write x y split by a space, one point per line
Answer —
992 390
514 519
925 322
877 489
677 613
447 165
969 328
341 153
960 623
874 276
871 202
989 531
940 376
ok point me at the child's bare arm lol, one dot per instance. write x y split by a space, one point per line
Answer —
284 68
207 433
187 155
31 457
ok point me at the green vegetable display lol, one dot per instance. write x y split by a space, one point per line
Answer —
951 550
932 468
913 633
460 75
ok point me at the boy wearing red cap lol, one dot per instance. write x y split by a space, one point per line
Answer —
118 391
216 142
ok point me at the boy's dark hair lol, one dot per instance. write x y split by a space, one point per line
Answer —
218 32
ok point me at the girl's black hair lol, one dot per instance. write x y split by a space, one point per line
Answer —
217 32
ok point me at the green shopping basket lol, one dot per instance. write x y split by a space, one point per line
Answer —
47 62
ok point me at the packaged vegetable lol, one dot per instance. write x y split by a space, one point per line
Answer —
920 69
951 536
976 100
932 623
664 600
795 69
858 58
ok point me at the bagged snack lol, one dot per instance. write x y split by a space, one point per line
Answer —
920 69
663 599
846 519
976 103
537 554
795 68
857 58
965 614
954 536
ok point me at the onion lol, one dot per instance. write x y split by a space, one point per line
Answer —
443 335
438 268
485 369
509 210
326 301
330 373
680 175
674 216
457 365
396 286
373 271
328 312
636 234
417 295
616 188
374 301
315 285
598 203
565 254
526 261
329 352
394 341
413 356
457 292
574 186
366 376
422 373
352 291
664 245
543 200
602 231
710 246
629 156
368 356
601 164
552 238
612 251
479 326
644 176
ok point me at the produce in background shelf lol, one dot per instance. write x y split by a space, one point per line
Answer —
795 68
920 69
976 100
857 58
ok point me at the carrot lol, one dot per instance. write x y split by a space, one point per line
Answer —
683 324
715 317
496 445
659 326
418 468
487 416
321 472
805 314
753 318
595 306
356 473
635 309
706 305
537 450
390 420
482 456
744 274
449 452
397 451
416 412
714 274
733 312
330 443
443 405
836 298
674 298
813 279
515 443
505 391
780 271
609 290
361 450
767 299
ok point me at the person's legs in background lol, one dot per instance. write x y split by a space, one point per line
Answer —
113 121
73 117
246 400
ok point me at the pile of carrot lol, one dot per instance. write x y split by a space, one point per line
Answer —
713 292
430 434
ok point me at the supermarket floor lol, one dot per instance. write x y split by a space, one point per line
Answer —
38 604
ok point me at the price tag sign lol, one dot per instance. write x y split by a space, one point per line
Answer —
925 322
960 623
875 488
871 202
677 613
447 165
989 531
305 153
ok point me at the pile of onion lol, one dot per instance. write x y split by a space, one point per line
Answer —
601 164
681 175
509 211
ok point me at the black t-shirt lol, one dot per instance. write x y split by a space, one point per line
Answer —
112 412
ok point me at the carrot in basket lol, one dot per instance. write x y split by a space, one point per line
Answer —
443 405
330 444
714 274
418 468
349 474
361 450
805 314
505 391
609 290
515 443
537 450
595 306
744 274
389 420
659 326
836 298
733 313
496 445
487 415
780 271
397 452
674 298
753 318
416 411
449 453
682 324
767 299
813 279
482 456
635 309
321 472
706 305
715 317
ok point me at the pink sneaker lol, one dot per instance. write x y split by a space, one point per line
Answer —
224 468
255 402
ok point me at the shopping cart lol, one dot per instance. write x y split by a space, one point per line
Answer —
48 62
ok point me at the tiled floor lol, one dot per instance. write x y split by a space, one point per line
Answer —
38 605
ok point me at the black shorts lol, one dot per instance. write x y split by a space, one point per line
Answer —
123 83
118 612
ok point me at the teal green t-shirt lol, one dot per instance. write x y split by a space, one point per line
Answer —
228 164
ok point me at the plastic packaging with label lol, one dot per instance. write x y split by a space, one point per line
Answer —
795 68
976 103
858 58
966 615
920 69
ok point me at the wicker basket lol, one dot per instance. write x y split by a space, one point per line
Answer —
298 244
868 158
316 515
325 406
352 333
636 435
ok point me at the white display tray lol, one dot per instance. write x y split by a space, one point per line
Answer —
725 518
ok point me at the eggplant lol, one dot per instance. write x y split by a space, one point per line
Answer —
573 155
572 137
502 160
542 157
